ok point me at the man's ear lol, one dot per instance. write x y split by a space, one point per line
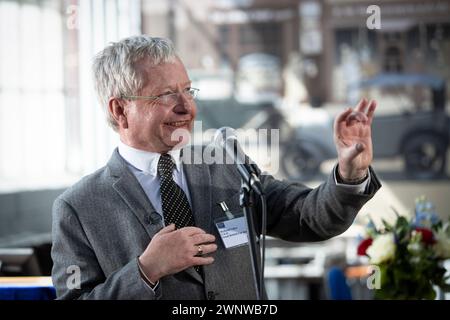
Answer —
116 108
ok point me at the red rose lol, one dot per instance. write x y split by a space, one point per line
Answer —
362 248
427 235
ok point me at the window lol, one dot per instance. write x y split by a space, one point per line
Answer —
52 130
31 90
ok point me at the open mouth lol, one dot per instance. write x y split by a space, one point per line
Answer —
178 124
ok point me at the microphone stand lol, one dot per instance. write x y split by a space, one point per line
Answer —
251 191
247 203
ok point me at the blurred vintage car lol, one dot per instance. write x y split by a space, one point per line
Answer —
418 133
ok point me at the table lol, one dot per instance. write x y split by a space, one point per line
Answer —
27 288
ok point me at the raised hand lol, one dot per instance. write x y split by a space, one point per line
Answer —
353 139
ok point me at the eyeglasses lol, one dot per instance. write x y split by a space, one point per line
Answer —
167 98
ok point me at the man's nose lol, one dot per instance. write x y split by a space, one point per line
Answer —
183 104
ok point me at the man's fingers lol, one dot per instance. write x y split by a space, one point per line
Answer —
371 110
360 147
356 116
205 249
203 238
341 117
361 107
167 229
201 261
190 231
355 150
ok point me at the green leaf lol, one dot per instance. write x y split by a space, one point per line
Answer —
387 226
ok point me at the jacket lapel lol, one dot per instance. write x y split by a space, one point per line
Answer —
129 189
199 183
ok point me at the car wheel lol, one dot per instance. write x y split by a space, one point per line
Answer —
425 156
300 161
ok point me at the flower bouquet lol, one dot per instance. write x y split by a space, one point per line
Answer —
409 254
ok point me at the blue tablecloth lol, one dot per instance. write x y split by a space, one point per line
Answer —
27 293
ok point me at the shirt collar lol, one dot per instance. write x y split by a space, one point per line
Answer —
146 161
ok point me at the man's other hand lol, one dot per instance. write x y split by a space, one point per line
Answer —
171 251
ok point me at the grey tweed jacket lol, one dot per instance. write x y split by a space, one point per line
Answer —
105 221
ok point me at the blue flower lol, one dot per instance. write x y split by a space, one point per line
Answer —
425 216
425 220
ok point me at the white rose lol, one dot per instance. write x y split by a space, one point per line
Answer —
442 246
382 248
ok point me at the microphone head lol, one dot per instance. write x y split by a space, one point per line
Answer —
222 135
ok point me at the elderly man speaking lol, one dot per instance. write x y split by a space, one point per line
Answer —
143 226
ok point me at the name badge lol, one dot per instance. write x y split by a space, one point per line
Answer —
232 229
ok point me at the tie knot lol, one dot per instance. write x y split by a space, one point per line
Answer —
166 166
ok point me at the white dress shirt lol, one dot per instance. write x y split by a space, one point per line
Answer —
353 188
144 165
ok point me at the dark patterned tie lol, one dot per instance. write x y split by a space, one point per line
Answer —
175 205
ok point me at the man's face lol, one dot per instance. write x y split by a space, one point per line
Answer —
151 123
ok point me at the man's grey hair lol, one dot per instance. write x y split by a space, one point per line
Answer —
115 71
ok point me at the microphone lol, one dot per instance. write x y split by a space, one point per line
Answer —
226 139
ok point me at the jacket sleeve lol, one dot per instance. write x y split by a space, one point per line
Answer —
76 272
298 213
